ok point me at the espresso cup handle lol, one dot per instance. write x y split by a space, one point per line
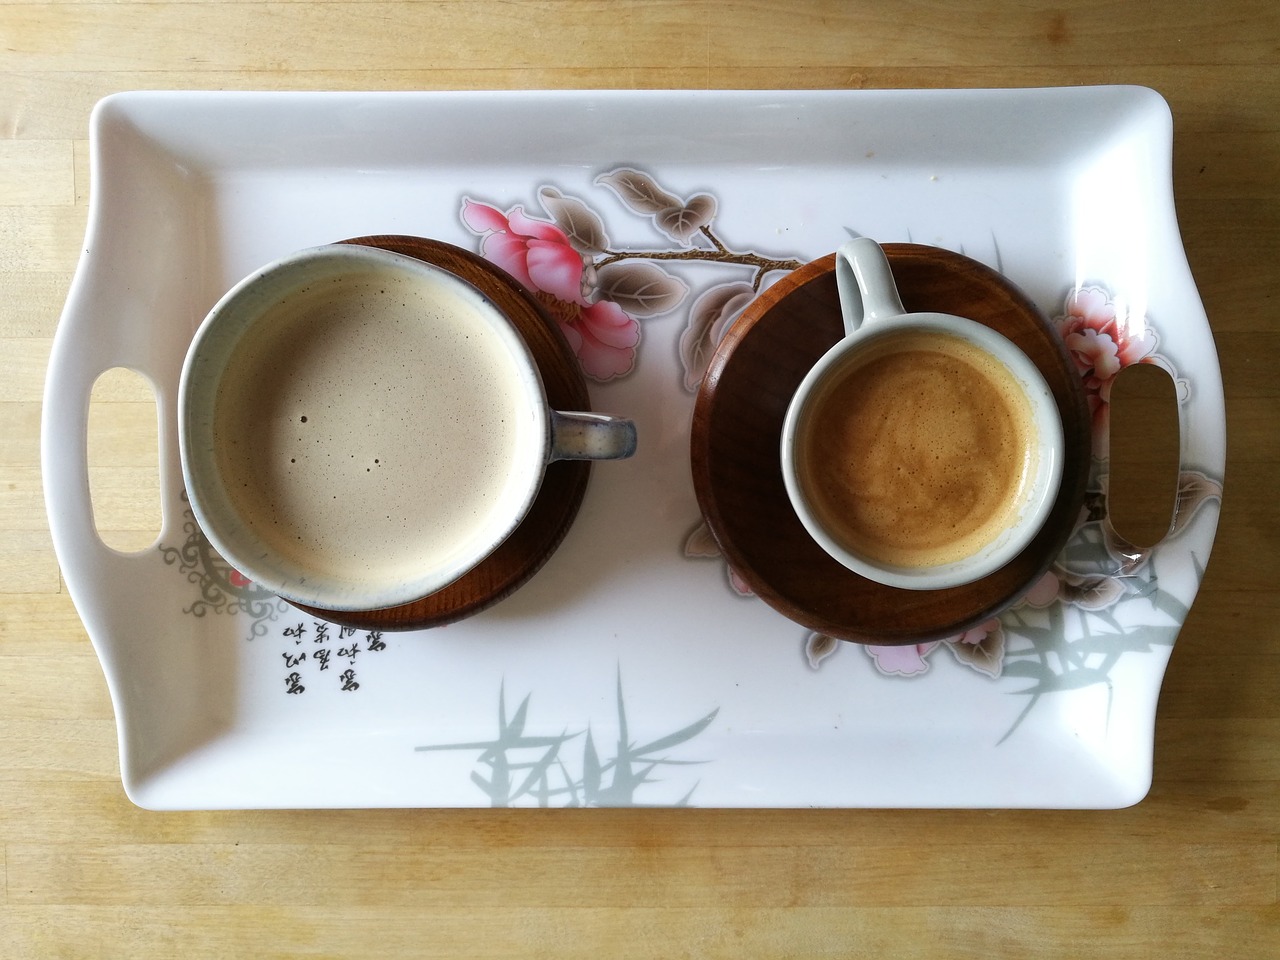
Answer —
865 284
591 436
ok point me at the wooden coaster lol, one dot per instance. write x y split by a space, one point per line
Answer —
565 483
737 428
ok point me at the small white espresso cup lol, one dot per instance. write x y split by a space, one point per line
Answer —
923 450
358 428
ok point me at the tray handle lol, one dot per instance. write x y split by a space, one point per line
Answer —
1201 441
95 335
1134 300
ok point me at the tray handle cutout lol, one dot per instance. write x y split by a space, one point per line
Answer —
1143 470
1151 487
123 460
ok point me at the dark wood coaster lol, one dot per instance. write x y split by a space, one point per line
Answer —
737 428
523 553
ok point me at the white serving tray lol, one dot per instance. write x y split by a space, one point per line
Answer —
629 670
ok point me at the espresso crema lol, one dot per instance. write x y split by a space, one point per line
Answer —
920 451
375 426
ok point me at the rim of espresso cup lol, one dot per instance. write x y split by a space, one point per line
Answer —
1042 493
206 365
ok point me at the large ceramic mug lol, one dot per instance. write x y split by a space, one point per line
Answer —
923 450
358 428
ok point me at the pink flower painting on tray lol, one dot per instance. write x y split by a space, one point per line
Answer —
1103 337
539 254
600 293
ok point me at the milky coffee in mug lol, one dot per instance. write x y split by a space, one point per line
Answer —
360 428
924 450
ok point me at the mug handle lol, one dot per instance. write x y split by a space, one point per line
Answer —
591 436
865 284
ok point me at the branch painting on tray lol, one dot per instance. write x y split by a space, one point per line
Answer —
599 293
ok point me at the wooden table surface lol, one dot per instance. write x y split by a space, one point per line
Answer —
1192 871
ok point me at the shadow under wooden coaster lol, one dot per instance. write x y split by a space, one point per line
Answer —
522 554
737 428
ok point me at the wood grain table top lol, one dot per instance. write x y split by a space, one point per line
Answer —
1191 871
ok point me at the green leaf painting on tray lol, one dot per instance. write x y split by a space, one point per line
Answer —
568 769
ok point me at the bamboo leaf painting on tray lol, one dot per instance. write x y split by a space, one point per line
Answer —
567 769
